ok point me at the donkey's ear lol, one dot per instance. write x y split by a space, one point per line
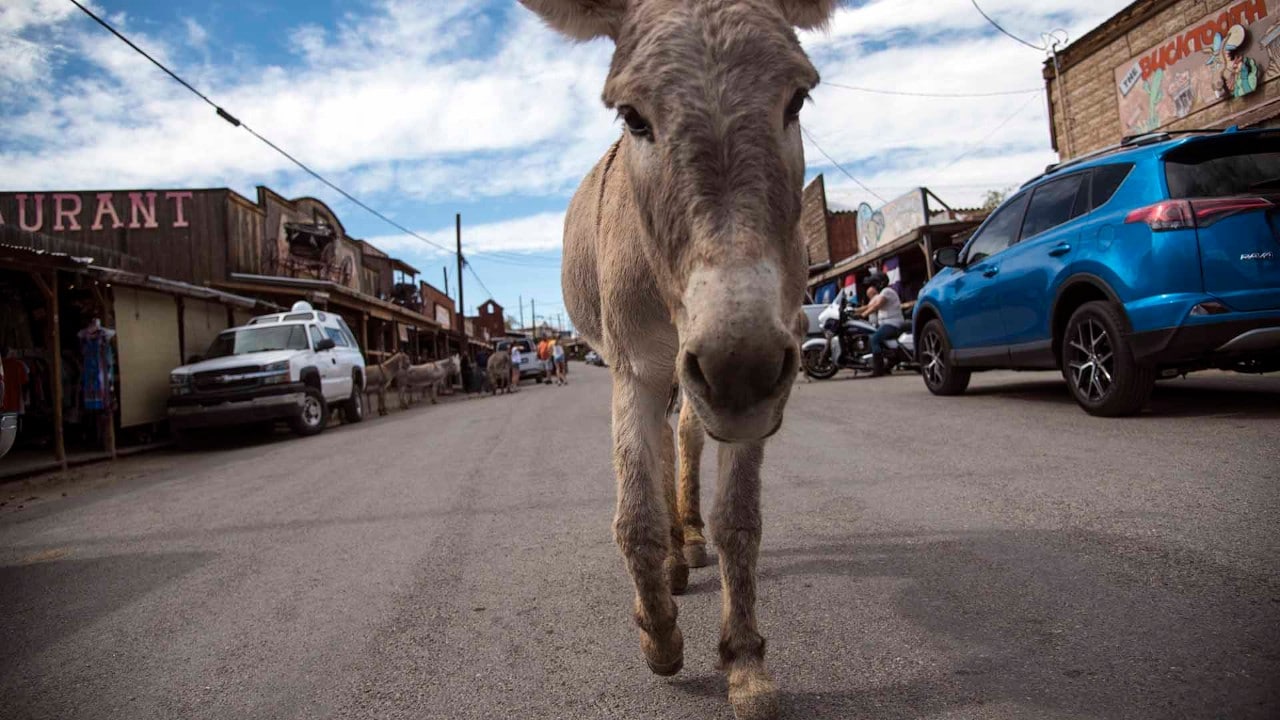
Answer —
808 14
581 19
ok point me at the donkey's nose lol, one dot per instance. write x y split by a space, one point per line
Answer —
735 378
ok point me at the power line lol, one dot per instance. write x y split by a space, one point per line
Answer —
807 134
905 93
997 26
987 137
233 120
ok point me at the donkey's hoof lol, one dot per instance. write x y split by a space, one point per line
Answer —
678 574
665 658
753 694
696 555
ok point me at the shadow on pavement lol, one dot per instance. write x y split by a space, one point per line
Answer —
1073 623
1170 399
43 601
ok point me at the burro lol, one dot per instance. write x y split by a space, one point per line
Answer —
683 264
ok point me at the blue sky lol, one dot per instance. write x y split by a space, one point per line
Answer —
424 109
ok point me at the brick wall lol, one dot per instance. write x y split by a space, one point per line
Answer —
1089 84
813 221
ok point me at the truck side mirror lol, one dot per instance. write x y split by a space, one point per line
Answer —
947 256
325 344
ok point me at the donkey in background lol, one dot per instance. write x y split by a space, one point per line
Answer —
380 378
683 263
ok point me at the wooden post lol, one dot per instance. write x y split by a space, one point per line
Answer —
364 332
182 330
927 247
49 288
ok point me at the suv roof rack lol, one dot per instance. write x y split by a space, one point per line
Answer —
1127 142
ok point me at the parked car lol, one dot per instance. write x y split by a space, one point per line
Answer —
530 365
290 366
1148 260
594 358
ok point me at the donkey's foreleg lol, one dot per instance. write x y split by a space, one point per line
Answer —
692 438
735 526
677 565
642 524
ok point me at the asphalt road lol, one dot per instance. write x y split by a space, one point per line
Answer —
998 555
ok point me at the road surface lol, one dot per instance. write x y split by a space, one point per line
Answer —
998 555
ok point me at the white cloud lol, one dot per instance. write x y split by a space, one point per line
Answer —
453 99
534 233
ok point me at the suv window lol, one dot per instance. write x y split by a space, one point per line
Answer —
1107 179
339 338
1054 203
316 337
1000 231
1224 165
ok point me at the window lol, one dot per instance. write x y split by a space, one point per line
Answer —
1224 165
1106 181
316 337
1054 203
1000 231
258 339
339 338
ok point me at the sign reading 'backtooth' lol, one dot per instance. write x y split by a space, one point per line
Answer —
63 212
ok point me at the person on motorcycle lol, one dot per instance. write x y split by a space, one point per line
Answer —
884 304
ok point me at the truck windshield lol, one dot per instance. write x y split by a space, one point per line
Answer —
1224 165
258 339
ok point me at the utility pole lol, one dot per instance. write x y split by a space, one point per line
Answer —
462 308
521 311
533 316
446 280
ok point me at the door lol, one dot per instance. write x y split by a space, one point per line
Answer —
1028 270
976 325
332 383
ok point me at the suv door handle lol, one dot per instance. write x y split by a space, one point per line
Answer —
991 271
1060 249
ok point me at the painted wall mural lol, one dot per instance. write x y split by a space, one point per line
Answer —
1225 55
895 219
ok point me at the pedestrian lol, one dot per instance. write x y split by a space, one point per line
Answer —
515 367
561 363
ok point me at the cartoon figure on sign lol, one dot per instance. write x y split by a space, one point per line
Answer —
870 227
1155 93
1271 41
1237 73
1184 96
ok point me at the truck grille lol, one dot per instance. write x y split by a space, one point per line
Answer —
229 379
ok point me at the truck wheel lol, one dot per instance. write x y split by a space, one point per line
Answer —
1098 363
353 408
940 376
312 416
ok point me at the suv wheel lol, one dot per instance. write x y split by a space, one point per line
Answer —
940 376
312 416
353 408
1098 363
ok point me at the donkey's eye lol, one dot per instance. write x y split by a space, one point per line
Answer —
795 106
636 124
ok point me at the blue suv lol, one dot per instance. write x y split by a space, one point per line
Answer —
1147 260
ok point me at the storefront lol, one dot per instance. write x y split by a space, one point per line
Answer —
1166 65
88 348
897 239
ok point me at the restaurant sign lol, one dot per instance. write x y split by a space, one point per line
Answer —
1225 55
893 220
76 211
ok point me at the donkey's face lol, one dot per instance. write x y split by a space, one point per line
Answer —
710 93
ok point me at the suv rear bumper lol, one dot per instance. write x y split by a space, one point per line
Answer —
236 407
1257 334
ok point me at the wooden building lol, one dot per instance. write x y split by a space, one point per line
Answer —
169 269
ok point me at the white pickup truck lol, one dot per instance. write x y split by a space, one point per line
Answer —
291 366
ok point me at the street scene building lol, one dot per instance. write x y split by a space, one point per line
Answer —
1166 65
164 271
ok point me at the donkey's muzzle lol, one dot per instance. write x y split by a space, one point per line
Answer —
739 388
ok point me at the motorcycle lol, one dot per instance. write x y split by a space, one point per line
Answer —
846 343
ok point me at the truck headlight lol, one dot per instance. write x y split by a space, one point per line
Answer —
276 373
179 383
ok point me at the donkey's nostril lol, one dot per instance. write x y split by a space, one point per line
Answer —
693 374
790 364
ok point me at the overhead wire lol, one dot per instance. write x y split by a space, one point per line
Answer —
999 27
840 167
908 93
969 150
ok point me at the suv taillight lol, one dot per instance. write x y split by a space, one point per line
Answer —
1187 214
